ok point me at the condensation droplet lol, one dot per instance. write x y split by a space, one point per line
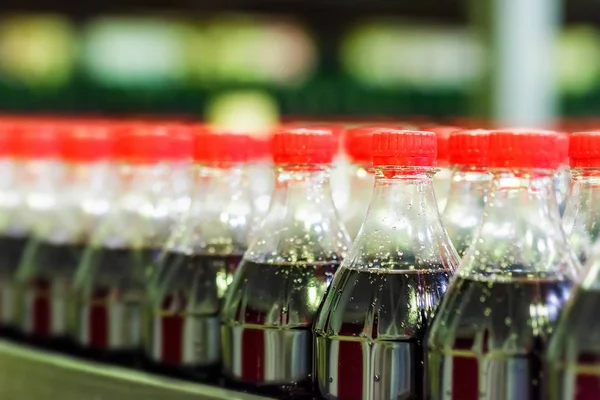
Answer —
487 311
377 377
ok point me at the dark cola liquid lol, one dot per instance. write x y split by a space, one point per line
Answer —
45 277
369 333
267 319
491 336
11 250
574 357
107 309
182 326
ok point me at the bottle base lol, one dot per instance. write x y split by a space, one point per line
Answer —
122 358
57 344
10 333
296 391
204 374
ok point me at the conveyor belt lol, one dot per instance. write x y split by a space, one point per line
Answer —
30 374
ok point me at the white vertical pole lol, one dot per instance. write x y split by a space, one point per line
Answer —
523 42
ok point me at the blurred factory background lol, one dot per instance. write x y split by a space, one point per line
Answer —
253 61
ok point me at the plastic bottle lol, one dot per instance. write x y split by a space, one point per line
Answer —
13 217
270 305
581 221
112 277
562 177
492 329
181 166
573 356
66 202
369 332
260 174
182 329
357 146
441 180
468 155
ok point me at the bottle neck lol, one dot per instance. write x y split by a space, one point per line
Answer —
220 215
182 173
41 183
143 178
584 195
95 178
403 189
302 189
465 182
40 175
182 180
466 201
441 184
402 229
581 218
141 214
358 197
361 173
15 184
520 233
82 198
302 224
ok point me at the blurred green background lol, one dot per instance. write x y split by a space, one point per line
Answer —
294 58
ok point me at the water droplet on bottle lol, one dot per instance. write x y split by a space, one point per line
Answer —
330 379
377 377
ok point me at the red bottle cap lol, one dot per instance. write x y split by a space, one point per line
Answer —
470 147
220 147
7 137
584 149
563 148
142 142
182 141
404 148
81 142
358 142
337 129
36 139
304 146
524 148
443 133
260 148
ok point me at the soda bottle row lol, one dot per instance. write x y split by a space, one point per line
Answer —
147 244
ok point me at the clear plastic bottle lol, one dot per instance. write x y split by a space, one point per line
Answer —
581 221
260 173
562 177
357 146
494 324
573 356
369 331
13 218
468 155
182 327
181 165
112 277
441 180
271 303
67 199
